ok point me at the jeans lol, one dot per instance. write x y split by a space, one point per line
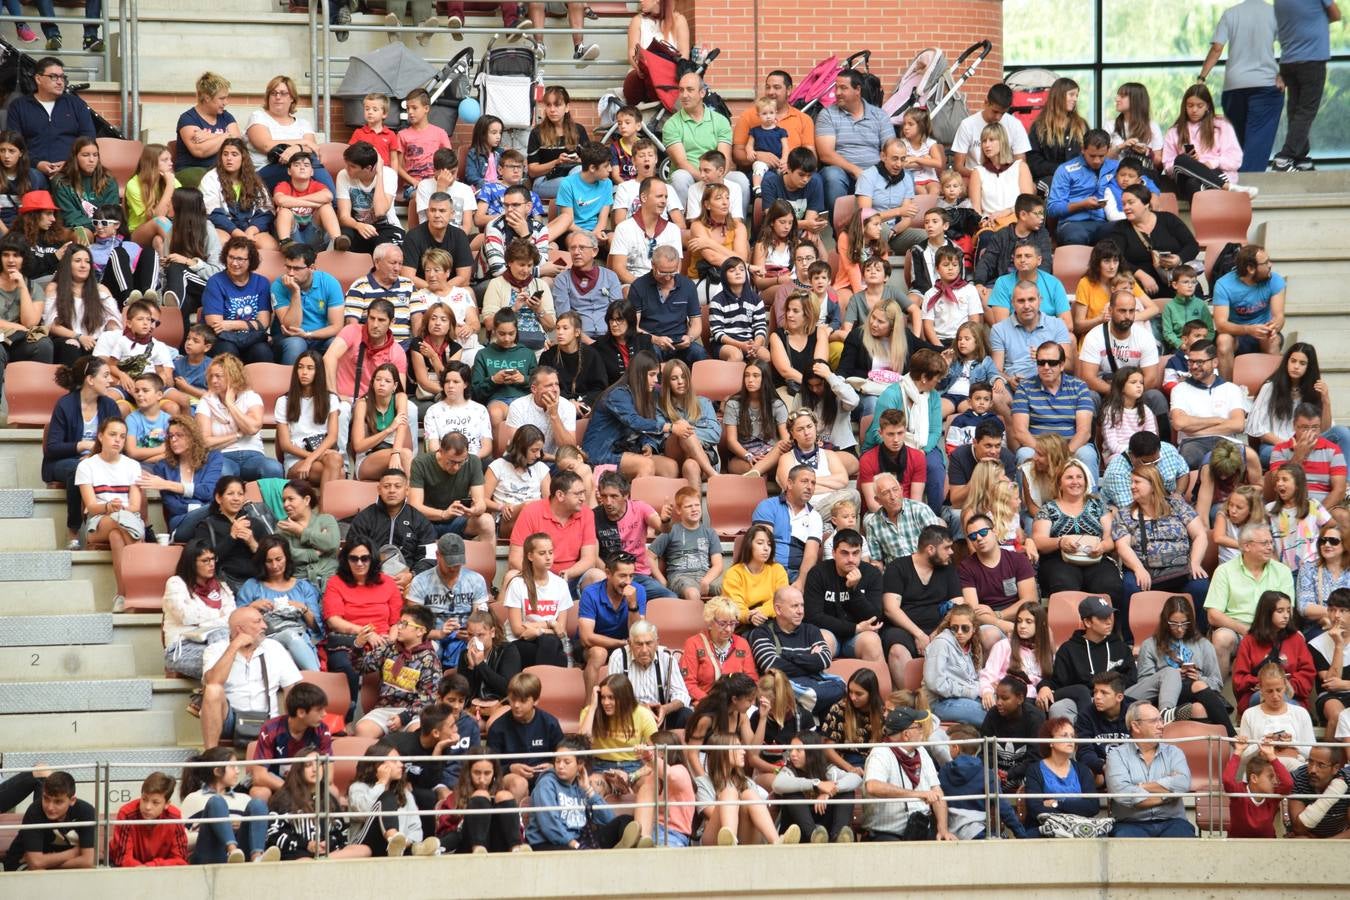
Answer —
691 354
960 709
298 646
653 587
289 349
214 839
92 10
1156 828
1255 116
1169 690
936 486
1085 232
838 183
63 470
249 346
1087 454
1304 83
547 188
250 465
186 526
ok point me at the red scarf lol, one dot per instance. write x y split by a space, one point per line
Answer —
518 285
405 655
945 291
911 764
584 281
208 593
138 341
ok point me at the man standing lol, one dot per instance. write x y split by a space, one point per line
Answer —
545 408
692 131
1236 587
1253 94
50 120
800 127
893 530
1248 308
392 521
919 587
849 137
797 527
1206 409
1119 343
607 612
966 153
437 232
236 678
447 488
888 188
1322 461
797 649
1053 402
657 681
622 526
1077 198
451 592
1305 47
383 282
668 308
638 236
307 303
1151 768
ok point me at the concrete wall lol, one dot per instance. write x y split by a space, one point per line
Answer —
1050 869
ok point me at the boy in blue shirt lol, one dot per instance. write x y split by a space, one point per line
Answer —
148 424
962 428
568 786
585 198
189 368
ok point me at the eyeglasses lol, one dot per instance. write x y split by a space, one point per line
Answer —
725 623
1328 542
962 629
979 533
1171 623
519 204
57 77
208 560
404 623
363 558
622 557
1199 362
239 260
1049 362
280 92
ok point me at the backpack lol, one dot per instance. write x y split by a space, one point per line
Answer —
1224 263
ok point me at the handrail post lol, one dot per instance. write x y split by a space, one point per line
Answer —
124 65
103 830
314 58
135 21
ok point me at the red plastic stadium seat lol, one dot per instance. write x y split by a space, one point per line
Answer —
345 267
732 500
270 381
914 674
656 491
563 694
120 158
344 770
271 264
1221 216
481 557
1145 608
717 379
844 209
845 668
1062 612
676 620
141 570
330 154
343 498
170 329
1251 370
1070 265
32 392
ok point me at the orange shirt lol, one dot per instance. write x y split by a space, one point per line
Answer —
801 130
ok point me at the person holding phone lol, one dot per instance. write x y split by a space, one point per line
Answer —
1077 198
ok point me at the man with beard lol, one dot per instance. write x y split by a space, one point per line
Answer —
919 588
1248 308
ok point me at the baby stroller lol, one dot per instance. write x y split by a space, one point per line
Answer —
453 83
1031 88
509 81
816 91
928 83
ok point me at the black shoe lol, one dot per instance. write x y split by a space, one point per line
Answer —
1304 165
93 44
1281 164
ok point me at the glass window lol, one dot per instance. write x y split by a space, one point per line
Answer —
1030 37
1159 30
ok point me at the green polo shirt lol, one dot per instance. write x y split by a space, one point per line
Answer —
697 138
1233 590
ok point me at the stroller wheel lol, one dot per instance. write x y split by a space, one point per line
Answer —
663 170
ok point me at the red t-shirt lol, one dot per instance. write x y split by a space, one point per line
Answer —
568 537
384 142
286 189
379 605
916 468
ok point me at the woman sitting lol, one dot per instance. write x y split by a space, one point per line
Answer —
149 196
832 478
715 651
1039 475
300 837
625 430
951 668
1073 536
999 180
714 237
856 719
616 723
1057 134
776 247
231 532
192 253
456 412
230 417
517 477
693 423
775 719
832 399
237 202
237 304
1179 670
754 424
754 577
1161 543
109 492
275 134
197 608
185 478
489 662
78 309
877 355
656 26
81 187
621 343
537 603
307 423
380 436
359 603
289 605
203 129
73 428
519 289
808 773
1297 381
1316 581
798 344
1060 772
1092 297
1273 638
430 353
312 536
738 822
1152 243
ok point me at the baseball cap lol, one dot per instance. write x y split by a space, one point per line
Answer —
1094 608
450 549
900 718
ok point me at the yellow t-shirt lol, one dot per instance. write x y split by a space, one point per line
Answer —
136 213
753 593
624 748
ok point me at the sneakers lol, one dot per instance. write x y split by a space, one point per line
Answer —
342 243
170 299
397 846
93 44
133 297
481 849
273 854
1169 715
344 17
454 23
819 835
194 704
518 848
236 856
586 52
392 20
645 843
1304 165
26 34
1247 189
726 837
427 847
119 604
520 27
1281 164
425 36
628 840
151 295
793 835
845 835
54 43
592 15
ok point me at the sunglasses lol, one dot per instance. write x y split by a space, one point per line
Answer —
1172 623
962 629
1049 362
1328 542
362 558
103 223
976 535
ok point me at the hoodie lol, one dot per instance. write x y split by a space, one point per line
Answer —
408 675
148 845
964 776
1105 731
1078 659
949 671
557 828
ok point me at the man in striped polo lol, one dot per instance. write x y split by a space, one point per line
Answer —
1053 402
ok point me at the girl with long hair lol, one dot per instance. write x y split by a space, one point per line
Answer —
1057 134
517 477
552 148
1243 506
776 246
83 185
191 255
47 239
307 423
149 195
832 399
877 354
1179 669
808 771
1295 517
537 602
924 156
693 422
775 720
489 662
1134 133
723 710
1124 414
625 428
237 202
17 177
457 412
230 417
972 363
381 787
993 494
208 792
197 608
614 721
78 308
306 836
485 152
581 373
755 424
739 823
380 436
185 477
1201 149
1297 380
798 342
109 489
1040 474
951 668
479 788
754 576
856 719
1274 637
73 427
1028 654
862 240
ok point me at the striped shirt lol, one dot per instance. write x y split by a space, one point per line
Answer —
1323 463
366 290
735 317
1053 411
660 682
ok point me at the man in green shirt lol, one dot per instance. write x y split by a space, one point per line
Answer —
1237 585
693 131
447 488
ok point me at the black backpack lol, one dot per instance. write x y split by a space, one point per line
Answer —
1224 263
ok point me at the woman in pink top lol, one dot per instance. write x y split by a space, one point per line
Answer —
1201 150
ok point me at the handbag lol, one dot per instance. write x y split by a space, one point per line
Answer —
1069 825
1162 566
920 826
248 723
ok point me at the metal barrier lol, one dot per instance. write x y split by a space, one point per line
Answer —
105 772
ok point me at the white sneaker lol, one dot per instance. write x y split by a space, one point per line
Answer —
270 854
1247 189
426 847
425 36
586 52
119 604
454 23
236 856
392 20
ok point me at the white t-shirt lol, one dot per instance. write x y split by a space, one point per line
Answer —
967 138
515 486
1343 726
461 198
362 196
1155 138
631 241
110 480
524 411
1139 349
946 316
1219 399
923 174
554 599
286 134
304 427
118 346
222 423
469 419
110 313
244 686
627 196
694 203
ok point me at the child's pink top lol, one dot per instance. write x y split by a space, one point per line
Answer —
1225 154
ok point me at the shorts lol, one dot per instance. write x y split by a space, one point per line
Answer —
668 837
1342 697
1246 344
381 715
678 581
627 766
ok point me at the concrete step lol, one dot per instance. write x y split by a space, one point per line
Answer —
42 663
108 695
141 632
53 565
20 458
47 732
16 503
29 534
56 631
1308 237
36 598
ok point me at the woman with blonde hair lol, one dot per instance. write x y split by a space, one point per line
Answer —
203 128
993 494
717 650
877 355
798 343
1073 535
998 180
230 417
776 720
1040 474
148 199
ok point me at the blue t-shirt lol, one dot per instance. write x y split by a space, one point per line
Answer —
809 199
1248 304
1054 300
609 622
1305 32
885 192
584 199
147 433
194 375
325 292
185 160
222 297
769 140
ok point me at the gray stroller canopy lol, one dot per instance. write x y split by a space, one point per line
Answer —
393 70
